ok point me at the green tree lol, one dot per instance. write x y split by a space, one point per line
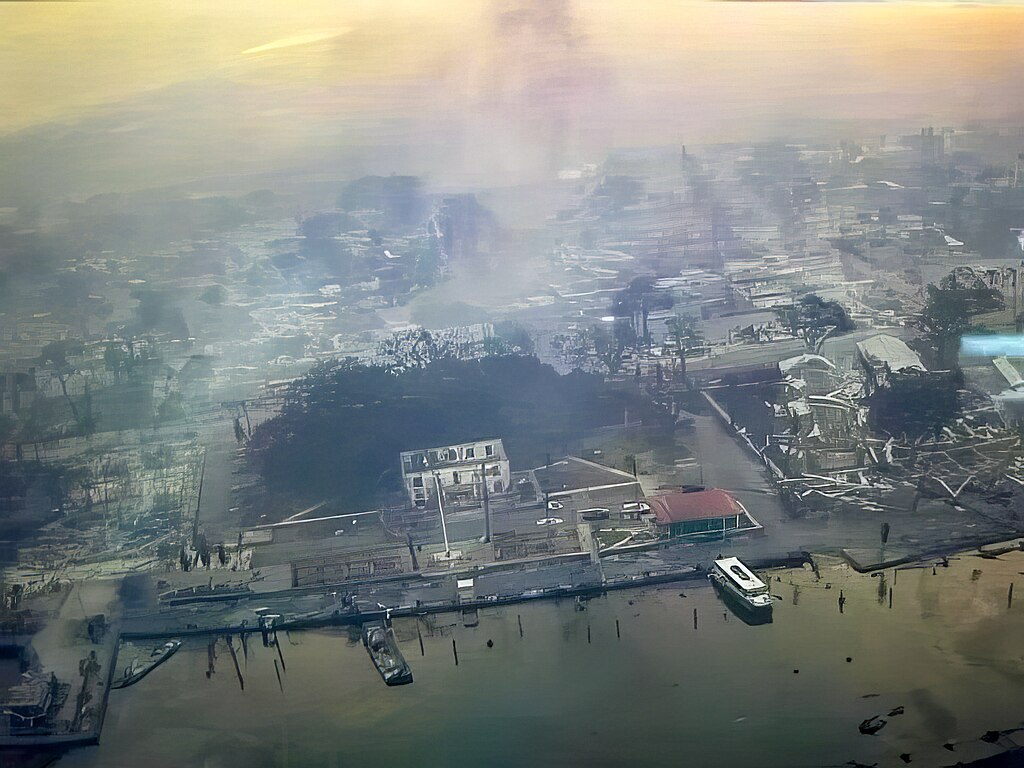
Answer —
815 319
947 315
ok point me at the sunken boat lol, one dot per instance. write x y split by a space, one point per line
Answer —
383 648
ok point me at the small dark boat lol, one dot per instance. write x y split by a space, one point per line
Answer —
872 725
384 652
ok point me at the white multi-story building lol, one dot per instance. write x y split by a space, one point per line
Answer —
458 469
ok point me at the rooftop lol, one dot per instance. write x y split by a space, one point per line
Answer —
575 474
467 452
892 351
678 507
808 361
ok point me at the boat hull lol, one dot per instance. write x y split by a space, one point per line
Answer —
739 604
385 654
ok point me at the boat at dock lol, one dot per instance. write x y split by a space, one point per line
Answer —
742 589
138 670
383 648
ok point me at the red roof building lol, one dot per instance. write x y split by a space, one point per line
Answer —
694 512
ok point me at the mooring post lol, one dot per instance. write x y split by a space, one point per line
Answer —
455 652
588 633
694 618
419 635
617 634
277 644
1009 597
519 618
234 658
278 671
890 598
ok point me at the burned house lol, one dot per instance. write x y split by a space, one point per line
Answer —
883 357
815 375
17 388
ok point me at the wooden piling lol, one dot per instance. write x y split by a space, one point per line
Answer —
1009 597
519 618
277 669
588 633
455 652
234 658
890 598
277 644
694 618
617 633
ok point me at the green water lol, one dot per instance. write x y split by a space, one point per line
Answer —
724 694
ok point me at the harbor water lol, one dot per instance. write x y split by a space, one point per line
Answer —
572 690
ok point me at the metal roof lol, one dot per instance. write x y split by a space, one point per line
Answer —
892 351
679 507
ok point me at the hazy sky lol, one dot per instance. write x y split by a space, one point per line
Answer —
533 77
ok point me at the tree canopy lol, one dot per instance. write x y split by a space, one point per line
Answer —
343 425
814 319
948 311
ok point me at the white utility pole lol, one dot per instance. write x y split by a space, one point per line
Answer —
440 506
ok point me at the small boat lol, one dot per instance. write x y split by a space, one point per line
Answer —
136 671
872 725
384 652
742 588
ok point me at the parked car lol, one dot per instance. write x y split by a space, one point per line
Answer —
636 507
554 505
550 521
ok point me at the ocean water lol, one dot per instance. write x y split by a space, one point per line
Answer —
664 693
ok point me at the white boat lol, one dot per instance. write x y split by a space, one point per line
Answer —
738 582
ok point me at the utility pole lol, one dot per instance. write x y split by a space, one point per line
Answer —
199 498
487 503
440 506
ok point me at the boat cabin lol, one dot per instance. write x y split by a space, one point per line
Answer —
740 576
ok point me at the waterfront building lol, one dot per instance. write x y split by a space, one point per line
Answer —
700 512
458 469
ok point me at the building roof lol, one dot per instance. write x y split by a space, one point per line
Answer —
575 474
453 454
806 361
678 507
889 350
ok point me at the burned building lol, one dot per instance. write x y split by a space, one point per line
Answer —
884 356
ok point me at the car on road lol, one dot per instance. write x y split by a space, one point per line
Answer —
550 521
